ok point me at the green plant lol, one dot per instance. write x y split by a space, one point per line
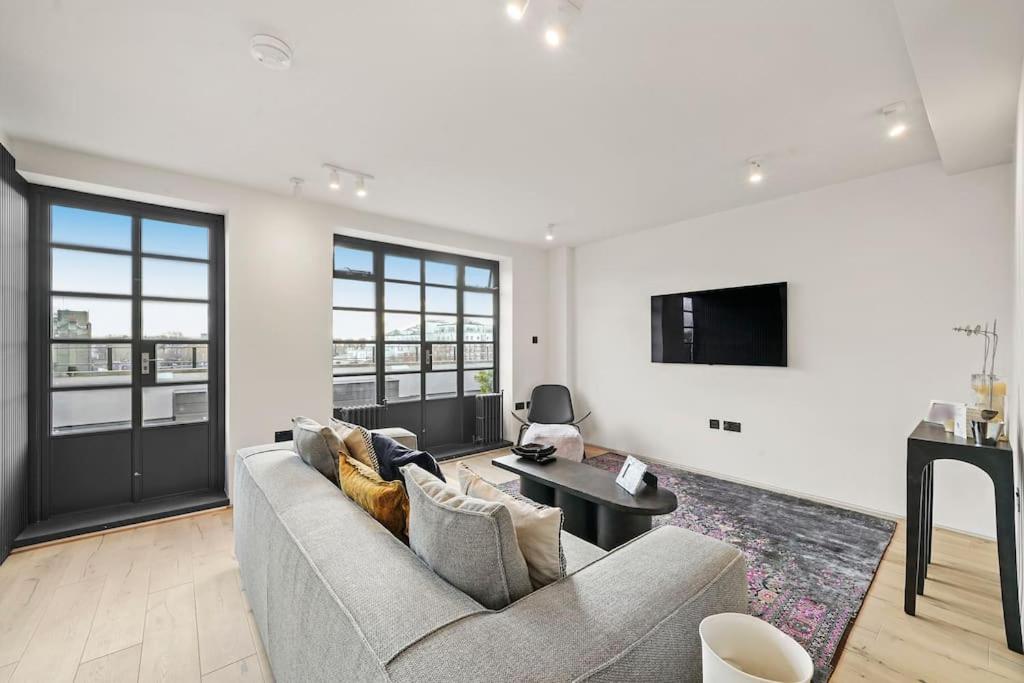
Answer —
485 379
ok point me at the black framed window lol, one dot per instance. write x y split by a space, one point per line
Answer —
411 324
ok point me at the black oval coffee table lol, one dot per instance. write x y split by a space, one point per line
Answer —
594 507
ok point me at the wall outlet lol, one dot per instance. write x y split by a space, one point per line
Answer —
527 404
731 426
535 340
521 405
714 424
285 435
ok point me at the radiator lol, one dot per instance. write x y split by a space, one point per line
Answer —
369 416
489 423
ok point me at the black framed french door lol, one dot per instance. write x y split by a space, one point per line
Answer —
417 330
127 364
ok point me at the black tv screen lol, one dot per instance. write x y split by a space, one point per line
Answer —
735 326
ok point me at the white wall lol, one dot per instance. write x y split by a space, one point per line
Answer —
879 270
561 339
279 252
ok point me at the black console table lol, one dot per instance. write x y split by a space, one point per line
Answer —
929 443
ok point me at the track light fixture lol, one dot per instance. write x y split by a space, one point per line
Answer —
550 234
296 185
895 116
516 9
334 179
755 174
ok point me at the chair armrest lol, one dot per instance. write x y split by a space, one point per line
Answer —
519 418
633 613
577 422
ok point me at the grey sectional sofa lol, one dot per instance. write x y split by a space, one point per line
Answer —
338 598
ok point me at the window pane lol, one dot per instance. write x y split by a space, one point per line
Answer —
83 318
79 365
401 357
178 362
86 271
442 300
401 268
442 384
175 239
90 228
479 277
478 329
354 359
442 328
401 297
479 355
174 405
178 279
90 410
402 387
355 325
401 327
354 294
476 303
688 319
168 320
348 260
444 356
355 391
441 273
478 382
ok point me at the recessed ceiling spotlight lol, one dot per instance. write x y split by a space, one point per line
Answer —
566 14
361 187
550 234
895 116
516 9
296 186
755 174
271 52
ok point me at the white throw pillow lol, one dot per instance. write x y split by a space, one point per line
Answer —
538 527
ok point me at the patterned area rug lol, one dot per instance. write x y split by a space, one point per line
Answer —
809 565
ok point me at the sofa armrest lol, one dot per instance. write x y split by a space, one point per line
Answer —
632 614
401 435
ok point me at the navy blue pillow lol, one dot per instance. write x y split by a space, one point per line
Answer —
392 455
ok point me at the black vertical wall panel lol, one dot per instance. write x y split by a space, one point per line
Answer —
14 453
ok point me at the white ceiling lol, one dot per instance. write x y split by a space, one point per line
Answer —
967 56
468 120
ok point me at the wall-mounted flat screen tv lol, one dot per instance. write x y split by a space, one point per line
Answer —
735 326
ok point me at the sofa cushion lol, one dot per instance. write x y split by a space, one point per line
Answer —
317 445
538 527
358 442
392 455
468 542
385 501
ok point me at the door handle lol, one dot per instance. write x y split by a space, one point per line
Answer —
145 363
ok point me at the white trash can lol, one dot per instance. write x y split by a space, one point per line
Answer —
739 648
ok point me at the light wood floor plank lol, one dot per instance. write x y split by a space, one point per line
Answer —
172 555
121 615
6 672
170 646
117 667
243 671
56 647
220 611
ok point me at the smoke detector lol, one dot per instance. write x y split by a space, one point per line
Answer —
271 52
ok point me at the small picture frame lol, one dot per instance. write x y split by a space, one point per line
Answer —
631 476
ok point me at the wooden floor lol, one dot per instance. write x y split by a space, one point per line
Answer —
164 603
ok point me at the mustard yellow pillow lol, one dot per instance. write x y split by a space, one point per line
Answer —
385 501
